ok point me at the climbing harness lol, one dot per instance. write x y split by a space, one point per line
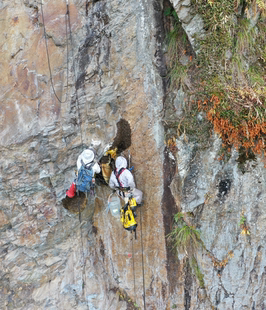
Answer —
117 175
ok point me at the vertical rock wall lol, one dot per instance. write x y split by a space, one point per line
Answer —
110 69
111 66
216 195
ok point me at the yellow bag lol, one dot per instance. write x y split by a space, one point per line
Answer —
106 172
127 216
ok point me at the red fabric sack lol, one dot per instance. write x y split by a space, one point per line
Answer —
72 191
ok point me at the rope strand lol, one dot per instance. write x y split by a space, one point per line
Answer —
83 255
143 279
48 57
75 76
77 104
68 24
142 251
133 263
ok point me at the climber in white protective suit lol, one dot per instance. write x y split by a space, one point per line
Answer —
87 167
122 178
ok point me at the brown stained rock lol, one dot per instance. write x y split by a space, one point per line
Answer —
24 72
15 20
3 219
146 160
54 18
26 81
122 140
76 204
28 235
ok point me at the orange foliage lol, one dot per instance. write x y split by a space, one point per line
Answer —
224 262
249 134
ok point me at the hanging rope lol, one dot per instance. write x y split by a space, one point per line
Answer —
79 123
142 251
48 57
68 24
143 279
75 76
133 264
83 255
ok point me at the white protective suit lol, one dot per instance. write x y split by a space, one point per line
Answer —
126 179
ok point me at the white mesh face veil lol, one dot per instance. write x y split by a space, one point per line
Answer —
120 162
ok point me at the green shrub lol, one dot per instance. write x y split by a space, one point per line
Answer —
185 239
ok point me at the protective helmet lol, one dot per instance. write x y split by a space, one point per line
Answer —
87 156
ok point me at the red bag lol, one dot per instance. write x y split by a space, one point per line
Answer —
72 191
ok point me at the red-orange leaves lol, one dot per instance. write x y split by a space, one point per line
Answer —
248 131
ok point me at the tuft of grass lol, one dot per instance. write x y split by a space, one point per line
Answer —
179 75
178 216
245 36
256 79
184 238
171 12
178 45
242 220
199 275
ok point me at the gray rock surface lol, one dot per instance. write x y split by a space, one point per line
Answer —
48 259
192 22
115 64
218 195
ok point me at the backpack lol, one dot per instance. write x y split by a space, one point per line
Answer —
127 215
85 176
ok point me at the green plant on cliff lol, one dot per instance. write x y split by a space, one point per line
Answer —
231 85
197 272
185 239
242 220
244 226
178 47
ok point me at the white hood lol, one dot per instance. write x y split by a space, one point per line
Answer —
120 162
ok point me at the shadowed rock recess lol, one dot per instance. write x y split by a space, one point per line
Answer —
110 72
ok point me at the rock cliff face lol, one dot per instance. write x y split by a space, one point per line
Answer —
114 72
110 66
